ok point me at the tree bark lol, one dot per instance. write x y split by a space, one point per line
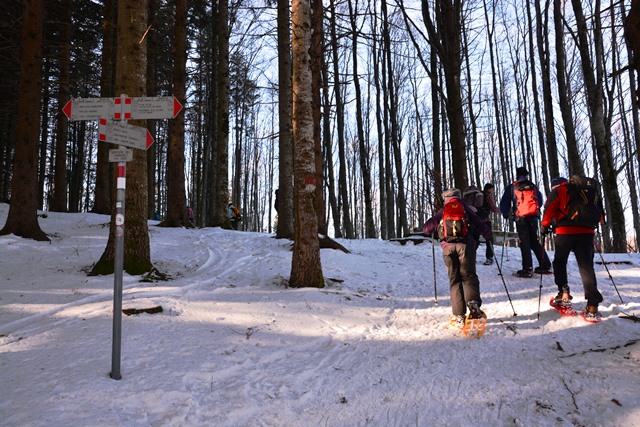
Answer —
602 140
22 219
131 80
285 228
176 195
306 269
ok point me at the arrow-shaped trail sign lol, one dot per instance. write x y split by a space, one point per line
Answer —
124 134
122 108
155 107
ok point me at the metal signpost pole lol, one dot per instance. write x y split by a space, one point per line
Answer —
118 272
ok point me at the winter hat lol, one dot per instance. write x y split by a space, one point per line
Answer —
522 171
557 181
488 185
452 192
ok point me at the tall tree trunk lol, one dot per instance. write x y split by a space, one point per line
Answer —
445 35
365 169
595 102
343 194
130 80
222 109
306 269
285 229
317 63
573 154
176 196
153 189
22 219
104 170
59 201
382 155
542 36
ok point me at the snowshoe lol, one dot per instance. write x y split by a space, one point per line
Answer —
476 322
488 261
563 307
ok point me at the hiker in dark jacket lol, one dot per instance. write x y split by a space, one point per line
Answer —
488 207
460 260
526 224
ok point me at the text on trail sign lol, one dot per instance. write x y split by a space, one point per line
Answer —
124 134
140 108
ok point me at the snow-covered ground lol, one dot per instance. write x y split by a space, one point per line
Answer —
235 347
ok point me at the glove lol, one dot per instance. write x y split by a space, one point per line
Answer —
545 230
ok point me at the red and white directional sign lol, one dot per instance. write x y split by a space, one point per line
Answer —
79 109
122 108
124 134
155 107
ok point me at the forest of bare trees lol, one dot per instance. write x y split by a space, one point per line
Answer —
359 112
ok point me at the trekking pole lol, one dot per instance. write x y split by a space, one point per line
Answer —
503 282
605 266
540 291
433 255
504 243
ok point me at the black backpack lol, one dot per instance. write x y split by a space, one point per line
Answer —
585 205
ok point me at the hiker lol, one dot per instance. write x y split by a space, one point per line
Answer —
474 199
488 207
521 202
191 216
234 215
575 236
459 254
277 201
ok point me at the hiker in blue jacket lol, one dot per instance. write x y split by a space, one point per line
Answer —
521 202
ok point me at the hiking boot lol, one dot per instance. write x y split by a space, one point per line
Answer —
525 272
591 314
475 312
542 270
488 261
457 321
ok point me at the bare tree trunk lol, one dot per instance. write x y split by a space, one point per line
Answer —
317 62
152 152
343 193
382 154
104 170
595 102
176 196
59 201
542 36
222 132
131 80
575 164
445 36
365 169
22 219
285 229
306 269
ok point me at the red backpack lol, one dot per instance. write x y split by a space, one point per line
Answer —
525 194
453 227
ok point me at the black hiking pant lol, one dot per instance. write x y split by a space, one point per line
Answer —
582 247
527 228
460 260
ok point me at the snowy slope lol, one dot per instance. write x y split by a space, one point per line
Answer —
235 347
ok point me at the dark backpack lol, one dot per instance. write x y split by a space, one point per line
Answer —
526 194
453 227
584 205
473 197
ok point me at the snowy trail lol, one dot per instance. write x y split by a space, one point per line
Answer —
236 347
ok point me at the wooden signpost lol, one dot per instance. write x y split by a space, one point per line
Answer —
112 114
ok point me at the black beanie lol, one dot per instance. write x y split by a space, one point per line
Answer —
488 185
522 171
